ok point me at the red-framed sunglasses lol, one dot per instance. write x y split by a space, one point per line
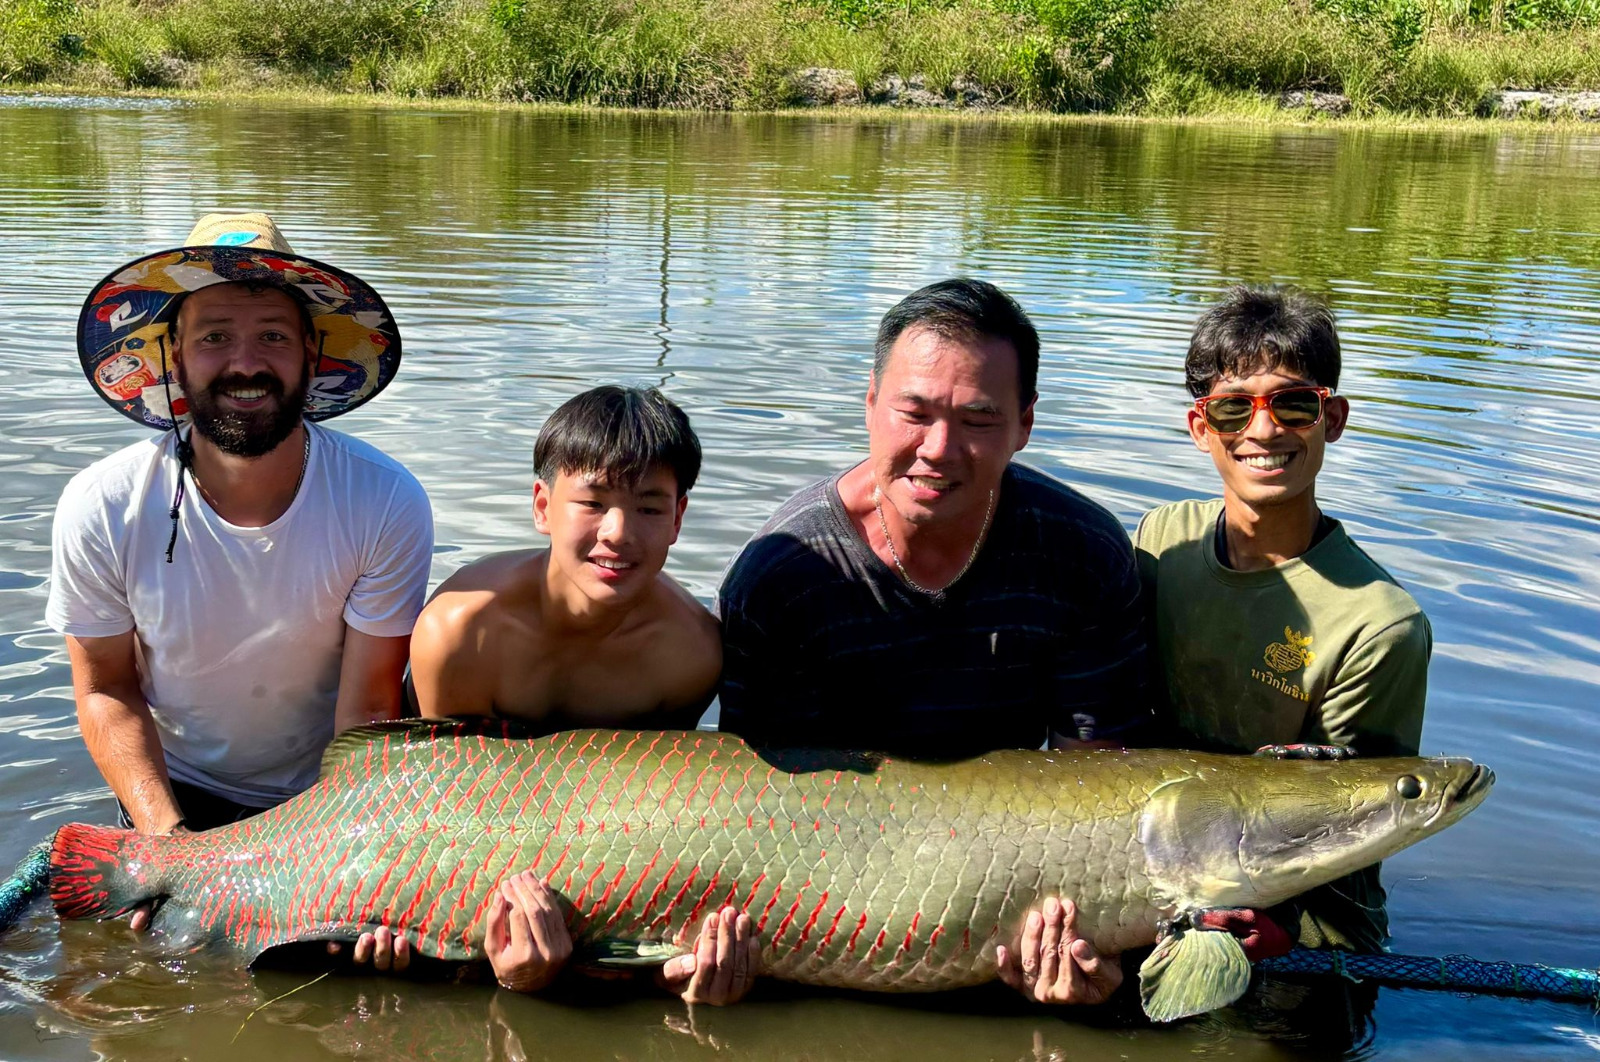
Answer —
1292 408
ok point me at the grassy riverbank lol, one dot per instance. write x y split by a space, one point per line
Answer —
1155 57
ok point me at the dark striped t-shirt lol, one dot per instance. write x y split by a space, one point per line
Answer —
824 645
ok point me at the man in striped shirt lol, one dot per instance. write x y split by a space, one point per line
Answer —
938 599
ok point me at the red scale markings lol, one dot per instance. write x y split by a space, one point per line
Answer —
606 895
672 786
522 780
267 927
655 895
794 909
754 888
627 901
221 896
600 789
861 925
233 917
672 905
427 919
457 908
475 917
422 890
694 912
377 890
877 945
827 938
628 781
910 935
699 780
556 866
805 931
649 784
533 791
400 890
495 776
577 901
320 912
376 807
463 793
761 924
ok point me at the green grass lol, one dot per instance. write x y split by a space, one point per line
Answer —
1156 57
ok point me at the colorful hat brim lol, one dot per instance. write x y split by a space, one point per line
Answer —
122 330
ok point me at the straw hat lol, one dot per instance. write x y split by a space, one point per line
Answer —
123 336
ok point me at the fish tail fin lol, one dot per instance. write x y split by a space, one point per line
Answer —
31 877
88 875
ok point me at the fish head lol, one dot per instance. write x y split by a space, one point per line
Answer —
1242 831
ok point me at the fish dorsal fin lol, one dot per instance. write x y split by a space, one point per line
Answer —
1192 971
354 742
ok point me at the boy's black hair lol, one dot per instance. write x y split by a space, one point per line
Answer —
1258 328
961 308
619 434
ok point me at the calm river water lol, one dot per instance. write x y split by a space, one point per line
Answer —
741 264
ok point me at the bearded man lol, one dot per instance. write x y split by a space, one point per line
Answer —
241 588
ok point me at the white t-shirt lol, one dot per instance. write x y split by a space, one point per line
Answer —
239 639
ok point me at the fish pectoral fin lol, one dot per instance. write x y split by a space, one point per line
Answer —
1192 971
626 953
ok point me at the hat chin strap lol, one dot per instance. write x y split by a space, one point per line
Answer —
184 447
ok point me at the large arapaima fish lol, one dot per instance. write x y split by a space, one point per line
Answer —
860 871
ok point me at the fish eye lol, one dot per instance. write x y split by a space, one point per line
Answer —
1408 786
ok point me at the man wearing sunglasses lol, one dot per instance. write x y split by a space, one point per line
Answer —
1273 627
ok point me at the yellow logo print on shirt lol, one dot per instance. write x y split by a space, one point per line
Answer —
1292 656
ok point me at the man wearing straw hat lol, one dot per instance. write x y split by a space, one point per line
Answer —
239 588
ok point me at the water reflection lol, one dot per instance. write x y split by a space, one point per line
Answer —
742 262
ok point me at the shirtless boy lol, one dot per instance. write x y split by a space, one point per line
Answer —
587 633
590 631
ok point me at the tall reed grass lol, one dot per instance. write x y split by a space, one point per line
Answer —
1138 56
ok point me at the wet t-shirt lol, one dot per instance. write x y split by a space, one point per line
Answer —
240 639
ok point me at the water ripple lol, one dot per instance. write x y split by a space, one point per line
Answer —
741 263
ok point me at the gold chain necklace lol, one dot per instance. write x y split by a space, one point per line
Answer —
900 565
305 459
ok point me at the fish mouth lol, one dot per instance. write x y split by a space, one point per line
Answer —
1464 794
1476 784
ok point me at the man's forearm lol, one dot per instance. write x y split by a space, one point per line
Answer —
371 678
363 707
123 742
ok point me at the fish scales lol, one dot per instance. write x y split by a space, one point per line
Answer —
862 873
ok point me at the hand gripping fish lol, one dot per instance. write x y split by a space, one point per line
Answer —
860 871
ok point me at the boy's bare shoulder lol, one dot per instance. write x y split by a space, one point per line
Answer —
497 572
683 614
688 640
481 590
